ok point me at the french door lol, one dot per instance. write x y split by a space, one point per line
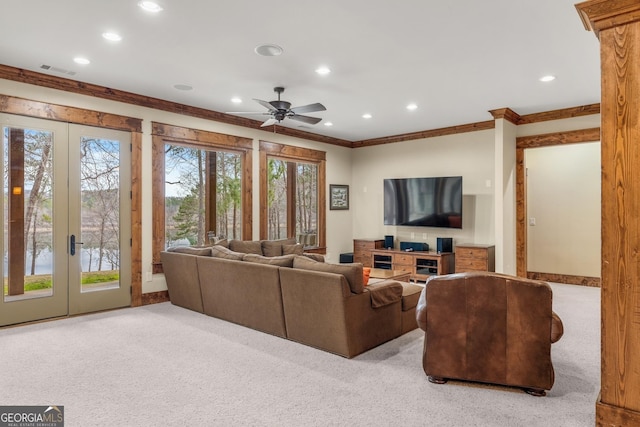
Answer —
65 212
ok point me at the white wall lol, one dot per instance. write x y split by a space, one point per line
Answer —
563 197
469 155
505 196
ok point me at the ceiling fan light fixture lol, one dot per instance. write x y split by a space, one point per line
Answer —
268 50
366 116
328 124
323 71
412 107
236 100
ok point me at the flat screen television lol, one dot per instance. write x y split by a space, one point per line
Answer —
423 202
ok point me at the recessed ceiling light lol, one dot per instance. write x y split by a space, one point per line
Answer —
111 36
411 107
268 50
323 70
328 124
81 61
150 6
366 116
183 87
236 100
547 78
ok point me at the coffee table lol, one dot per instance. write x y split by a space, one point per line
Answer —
383 273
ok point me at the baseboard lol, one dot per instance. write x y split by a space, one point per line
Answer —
615 416
155 297
565 278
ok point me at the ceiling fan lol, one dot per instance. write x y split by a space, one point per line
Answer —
279 110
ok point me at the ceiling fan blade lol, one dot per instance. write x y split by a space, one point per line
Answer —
269 122
309 108
305 119
265 104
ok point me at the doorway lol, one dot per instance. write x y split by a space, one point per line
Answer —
65 211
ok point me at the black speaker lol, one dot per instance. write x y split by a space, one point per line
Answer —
388 242
444 244
414 246
346 258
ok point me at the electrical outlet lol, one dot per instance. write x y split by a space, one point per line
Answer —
149 276
532 221
424 236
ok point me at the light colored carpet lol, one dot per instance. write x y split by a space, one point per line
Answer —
162 365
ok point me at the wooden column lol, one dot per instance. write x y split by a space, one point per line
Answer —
617 25
16 212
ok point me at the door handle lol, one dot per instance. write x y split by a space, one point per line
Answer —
73 243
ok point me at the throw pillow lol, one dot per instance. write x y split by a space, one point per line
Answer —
315 257
280 261
222 252
274 247
366 271
352 272
296 249
222 242
246 246
191 250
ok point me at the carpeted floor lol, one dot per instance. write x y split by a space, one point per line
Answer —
162 365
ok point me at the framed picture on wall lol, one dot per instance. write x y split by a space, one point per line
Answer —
338 197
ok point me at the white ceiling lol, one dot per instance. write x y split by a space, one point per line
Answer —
456 59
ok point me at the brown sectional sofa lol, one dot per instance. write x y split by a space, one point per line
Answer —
294 296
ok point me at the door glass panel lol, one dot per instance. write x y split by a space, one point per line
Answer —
27 159
99 240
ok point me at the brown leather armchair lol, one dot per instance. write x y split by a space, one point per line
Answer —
490 328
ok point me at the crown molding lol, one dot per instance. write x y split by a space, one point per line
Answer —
68 85
505 113
600 15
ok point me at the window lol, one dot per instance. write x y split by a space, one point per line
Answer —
201 183
202 194
292 194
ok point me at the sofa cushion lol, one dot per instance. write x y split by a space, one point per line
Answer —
351 272
274 247
246 246
315 257
222 252
385 293
200 251
296 249
410 295
280 261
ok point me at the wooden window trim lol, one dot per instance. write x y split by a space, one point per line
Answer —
162 134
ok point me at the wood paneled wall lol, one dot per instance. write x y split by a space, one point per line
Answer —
617 24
